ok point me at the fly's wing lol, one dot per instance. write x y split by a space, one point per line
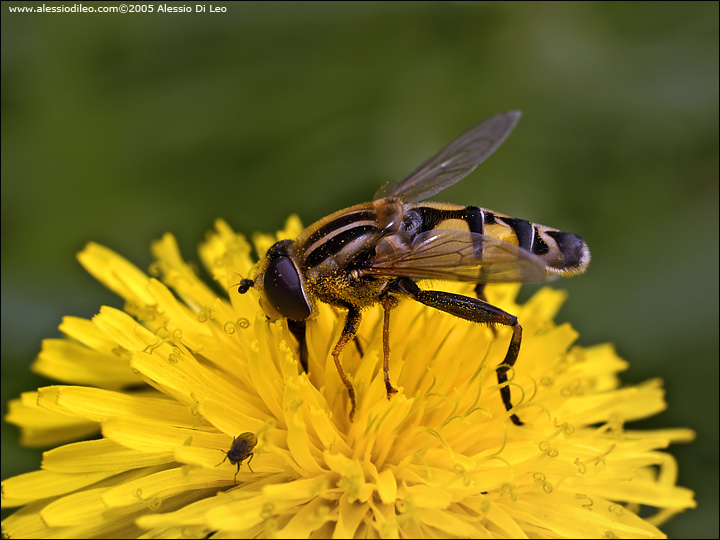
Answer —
460 256
454 162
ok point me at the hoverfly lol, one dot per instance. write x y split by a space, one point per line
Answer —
374 252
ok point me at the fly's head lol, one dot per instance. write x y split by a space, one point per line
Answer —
281 284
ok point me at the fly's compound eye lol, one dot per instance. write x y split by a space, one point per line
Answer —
283 289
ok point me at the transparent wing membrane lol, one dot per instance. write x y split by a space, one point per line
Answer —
460 256
454 162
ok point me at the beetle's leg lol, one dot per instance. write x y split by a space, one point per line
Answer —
388 303
237 471
352 322
297 328
475 310
249 460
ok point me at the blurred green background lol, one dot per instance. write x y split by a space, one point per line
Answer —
117 128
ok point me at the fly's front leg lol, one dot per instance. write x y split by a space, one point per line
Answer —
475 310
297 328
352 323
388 303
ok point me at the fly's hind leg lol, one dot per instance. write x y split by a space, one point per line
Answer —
475 310
352 323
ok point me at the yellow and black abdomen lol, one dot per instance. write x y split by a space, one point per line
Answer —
563 253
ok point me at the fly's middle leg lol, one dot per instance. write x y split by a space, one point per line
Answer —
352 323
388 303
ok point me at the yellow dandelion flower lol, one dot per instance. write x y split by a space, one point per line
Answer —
200 422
